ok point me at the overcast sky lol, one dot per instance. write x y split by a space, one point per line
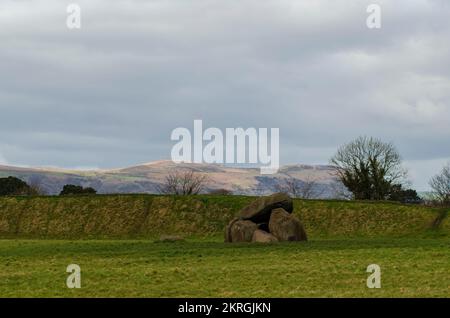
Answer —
109 94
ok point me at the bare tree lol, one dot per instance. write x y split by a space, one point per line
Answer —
305 189
36 188
340 191
289 186
183 182
440 184
310 189
369 168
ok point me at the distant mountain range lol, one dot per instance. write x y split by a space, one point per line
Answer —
145 178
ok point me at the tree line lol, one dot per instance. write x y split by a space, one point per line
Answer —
14 186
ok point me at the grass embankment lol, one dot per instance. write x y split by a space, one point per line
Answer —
318 268
148 216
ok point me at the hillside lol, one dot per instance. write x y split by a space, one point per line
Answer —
145 178
148 216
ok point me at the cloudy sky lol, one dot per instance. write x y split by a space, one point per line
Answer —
109 94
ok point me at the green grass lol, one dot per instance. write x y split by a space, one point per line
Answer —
140 268
112 238
148 216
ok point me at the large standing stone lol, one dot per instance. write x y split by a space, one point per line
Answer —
228 230
286 227
259 210
241 231
263 237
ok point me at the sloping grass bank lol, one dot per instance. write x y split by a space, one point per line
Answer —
148 216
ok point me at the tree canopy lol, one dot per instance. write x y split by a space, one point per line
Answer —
368 167
13 186
71 189
440 184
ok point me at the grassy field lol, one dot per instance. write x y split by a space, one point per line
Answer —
140 268
114 240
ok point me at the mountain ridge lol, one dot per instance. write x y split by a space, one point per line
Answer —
147 177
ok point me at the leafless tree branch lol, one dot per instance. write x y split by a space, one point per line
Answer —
183 182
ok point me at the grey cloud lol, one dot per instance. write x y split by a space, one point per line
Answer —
109 95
